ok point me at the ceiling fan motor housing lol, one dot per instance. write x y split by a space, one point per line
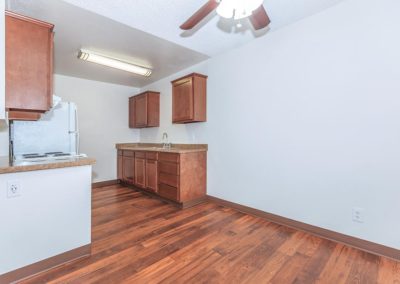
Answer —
237 9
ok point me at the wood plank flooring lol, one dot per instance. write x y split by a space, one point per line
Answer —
139 239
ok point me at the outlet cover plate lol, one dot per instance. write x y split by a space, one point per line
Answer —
358 215
13 189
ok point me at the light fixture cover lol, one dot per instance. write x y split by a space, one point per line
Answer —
237 9
113 62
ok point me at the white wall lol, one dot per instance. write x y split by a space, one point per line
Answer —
305 121
3 126
2 61
51 216
103 120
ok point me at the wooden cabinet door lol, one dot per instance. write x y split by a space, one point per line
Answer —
119 166
182 100
29 63
141 111
128 169
140 172
144 110
151 175
132 112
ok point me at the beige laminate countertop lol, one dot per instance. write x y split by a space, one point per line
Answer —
7 167
154 147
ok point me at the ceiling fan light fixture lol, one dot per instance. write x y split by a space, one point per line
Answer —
237 9
231 9
93 57
225 9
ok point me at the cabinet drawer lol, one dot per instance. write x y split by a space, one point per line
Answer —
151 155
140 155
168 192
168 168
128 153
171 180
168 157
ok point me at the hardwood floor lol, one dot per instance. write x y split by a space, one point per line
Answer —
139 239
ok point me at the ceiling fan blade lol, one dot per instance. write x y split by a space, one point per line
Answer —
259 18
199 15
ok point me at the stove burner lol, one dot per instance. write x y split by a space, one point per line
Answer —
61 154
35 155
47 157
53 153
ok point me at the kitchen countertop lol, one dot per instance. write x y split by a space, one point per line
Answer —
7 167
155 147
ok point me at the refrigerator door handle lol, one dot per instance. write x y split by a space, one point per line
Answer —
76 132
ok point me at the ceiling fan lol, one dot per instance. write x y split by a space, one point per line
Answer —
236 9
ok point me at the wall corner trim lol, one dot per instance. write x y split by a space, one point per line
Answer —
105 183
354 242
46 264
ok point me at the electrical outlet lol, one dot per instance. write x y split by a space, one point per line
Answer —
13 189
358 215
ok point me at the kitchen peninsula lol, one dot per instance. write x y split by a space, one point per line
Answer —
44 203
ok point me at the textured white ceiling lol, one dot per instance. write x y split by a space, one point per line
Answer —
147 32
163 18
77 28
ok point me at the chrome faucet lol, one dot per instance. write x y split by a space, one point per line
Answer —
166 144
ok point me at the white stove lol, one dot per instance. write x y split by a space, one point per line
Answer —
46 157
53 138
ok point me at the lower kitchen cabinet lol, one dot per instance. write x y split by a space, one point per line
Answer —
151 175
182 177
168 192
119 165
168 179
128 167
179 177
140 169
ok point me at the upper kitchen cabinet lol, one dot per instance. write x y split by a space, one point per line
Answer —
144 110
189 99
29 66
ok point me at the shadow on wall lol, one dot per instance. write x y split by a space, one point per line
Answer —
3 138
3 126
94 175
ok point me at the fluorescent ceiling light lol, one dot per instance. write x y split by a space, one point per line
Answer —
113 62
237 9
